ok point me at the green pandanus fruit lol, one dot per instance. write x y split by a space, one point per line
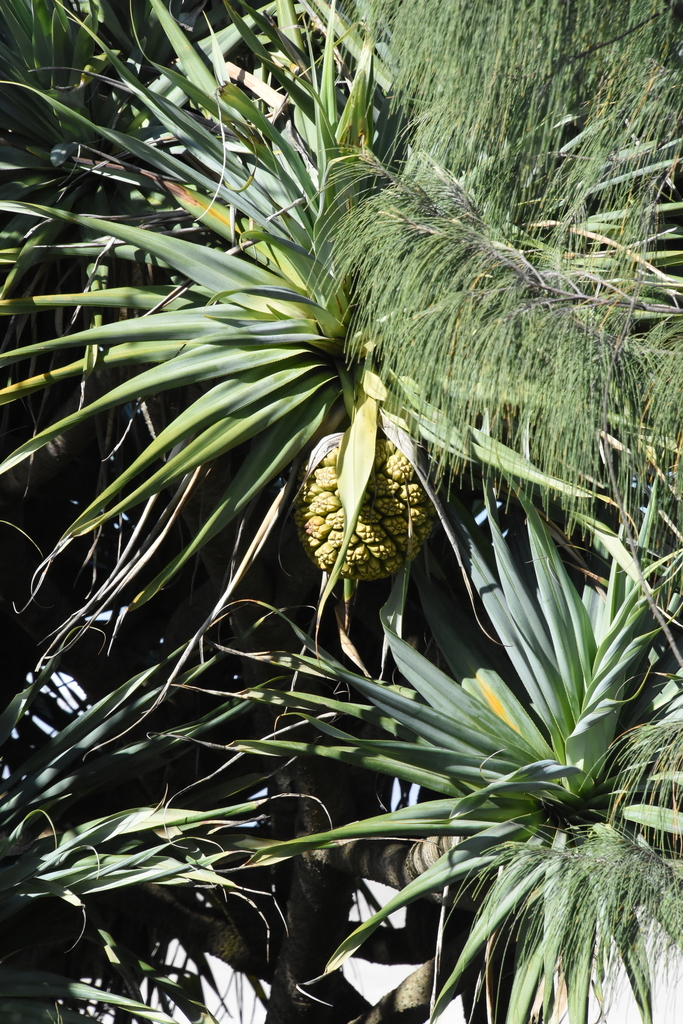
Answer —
394 521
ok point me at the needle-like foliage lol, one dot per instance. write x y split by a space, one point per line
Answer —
513 270
583 913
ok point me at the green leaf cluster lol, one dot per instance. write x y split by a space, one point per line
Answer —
523 744
45 861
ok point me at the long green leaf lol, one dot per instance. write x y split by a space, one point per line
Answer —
471 669
448 697
464 860
275 448
224 418
33 985
354 466
208 267
197 364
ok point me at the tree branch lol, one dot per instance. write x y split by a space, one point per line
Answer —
392 862
234 930
409 1002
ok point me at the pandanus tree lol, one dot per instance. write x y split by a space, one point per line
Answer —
372 255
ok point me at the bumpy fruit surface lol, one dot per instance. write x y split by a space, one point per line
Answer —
394 522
